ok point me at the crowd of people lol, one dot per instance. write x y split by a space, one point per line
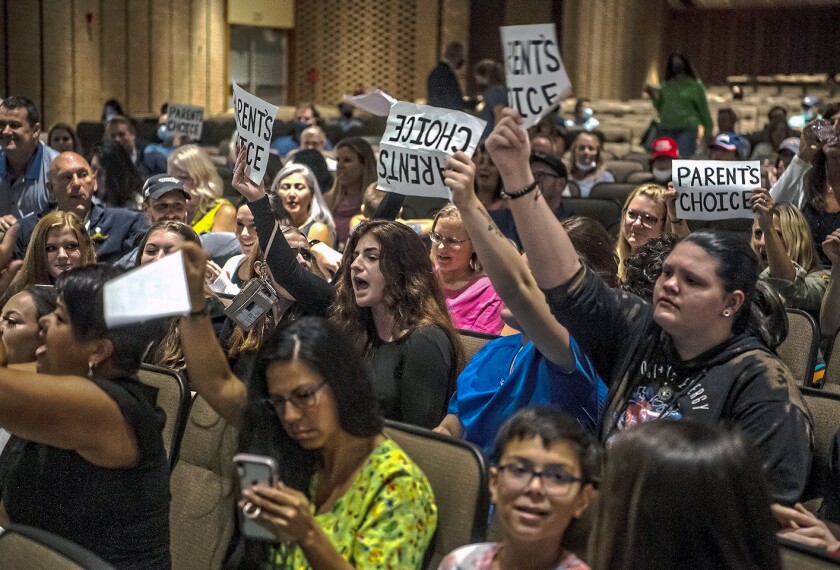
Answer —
640 367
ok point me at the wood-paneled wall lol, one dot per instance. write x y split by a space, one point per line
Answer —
755 42
69 56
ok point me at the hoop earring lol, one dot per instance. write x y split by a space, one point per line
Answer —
727 313
474 264
91 365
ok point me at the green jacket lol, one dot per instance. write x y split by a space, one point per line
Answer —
682 105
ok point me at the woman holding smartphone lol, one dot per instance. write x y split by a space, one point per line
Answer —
348 497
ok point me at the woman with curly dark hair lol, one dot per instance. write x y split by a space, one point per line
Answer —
389 301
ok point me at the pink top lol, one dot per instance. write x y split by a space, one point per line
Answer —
476 307
480 557
348 207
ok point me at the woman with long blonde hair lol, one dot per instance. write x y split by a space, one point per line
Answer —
206 209
787 256
648 212
59 242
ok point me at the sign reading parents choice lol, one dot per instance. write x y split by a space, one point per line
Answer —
715 190
536 77
152 291
185 120
254 121
417 141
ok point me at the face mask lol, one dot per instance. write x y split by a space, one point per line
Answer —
661 175
584 167
161 132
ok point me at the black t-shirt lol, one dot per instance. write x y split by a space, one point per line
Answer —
821 224
121 515
739 381
413 376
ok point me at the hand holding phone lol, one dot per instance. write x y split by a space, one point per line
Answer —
252 470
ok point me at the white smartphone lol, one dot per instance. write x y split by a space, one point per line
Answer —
254 470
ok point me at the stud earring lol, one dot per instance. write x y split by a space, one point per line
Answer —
727 313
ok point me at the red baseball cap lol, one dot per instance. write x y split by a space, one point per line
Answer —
664 147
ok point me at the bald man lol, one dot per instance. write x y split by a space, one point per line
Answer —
71 184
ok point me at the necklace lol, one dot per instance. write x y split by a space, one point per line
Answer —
512 364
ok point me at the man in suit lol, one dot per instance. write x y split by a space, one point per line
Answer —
443 89
71 184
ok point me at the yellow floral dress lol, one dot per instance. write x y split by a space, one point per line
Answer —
384 521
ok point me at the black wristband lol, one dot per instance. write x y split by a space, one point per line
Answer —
514 195
202 312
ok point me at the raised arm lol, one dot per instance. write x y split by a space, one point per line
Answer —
780 264
551 254
790 185
502 263
208 367
675 225
310 291
67 412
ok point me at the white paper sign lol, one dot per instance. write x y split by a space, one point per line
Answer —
715 189
536 77
254 121
155 290
417 141
185 120
375 102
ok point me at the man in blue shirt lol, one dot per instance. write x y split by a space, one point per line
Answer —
24 160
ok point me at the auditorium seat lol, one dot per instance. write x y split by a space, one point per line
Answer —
201 514
799 350
472 342
825 411
174 399
605 212
617 191
798 556
25 547
457 472
621 169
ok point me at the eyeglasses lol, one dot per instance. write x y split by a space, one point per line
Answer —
302 400
648 221
452 242
299 186
541 176
555 482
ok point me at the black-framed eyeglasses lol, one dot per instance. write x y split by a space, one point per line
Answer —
555 482
302 400
452 242
647 220
542 175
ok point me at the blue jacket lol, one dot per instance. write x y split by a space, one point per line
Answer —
114 231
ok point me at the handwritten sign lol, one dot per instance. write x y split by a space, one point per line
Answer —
536 77
185 120
715 189
254 122
417 141
152 291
